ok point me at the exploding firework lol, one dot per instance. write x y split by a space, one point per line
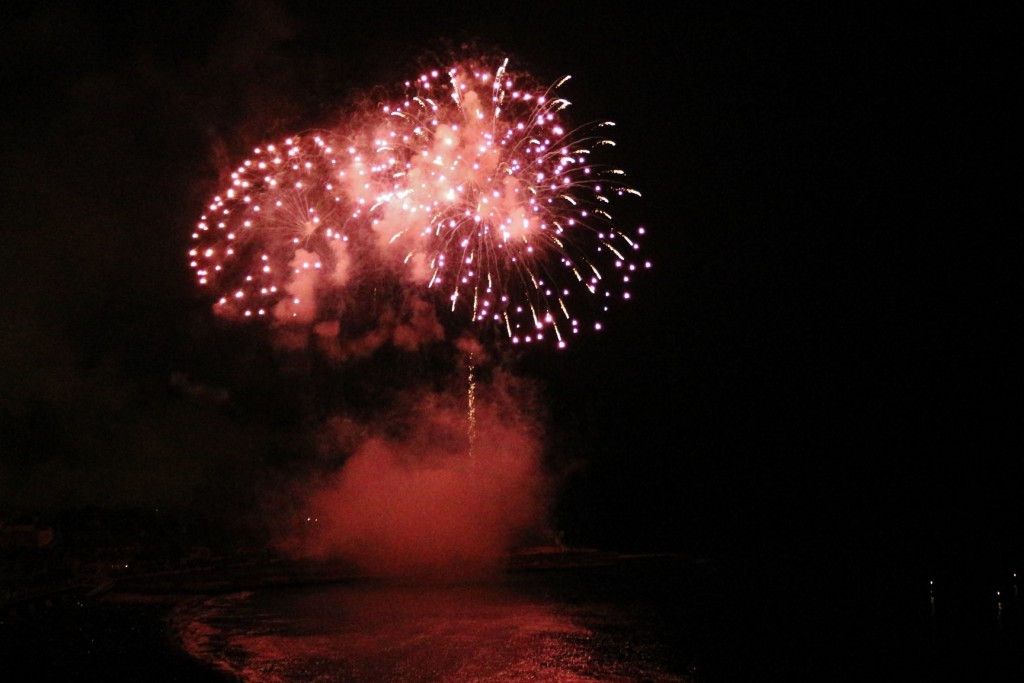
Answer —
279 227
497 204
472 186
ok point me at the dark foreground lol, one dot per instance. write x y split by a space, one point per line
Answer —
733 620
97 640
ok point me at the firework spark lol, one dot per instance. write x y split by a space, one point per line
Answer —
497 203
473 182
278 225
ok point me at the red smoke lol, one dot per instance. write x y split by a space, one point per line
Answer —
413 500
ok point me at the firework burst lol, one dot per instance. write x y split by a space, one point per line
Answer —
472 186
277 229
497 204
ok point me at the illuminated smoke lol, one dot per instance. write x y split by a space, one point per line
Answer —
410 501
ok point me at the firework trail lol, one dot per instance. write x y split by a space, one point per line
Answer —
471 188
471 404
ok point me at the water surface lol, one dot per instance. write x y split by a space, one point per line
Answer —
584 624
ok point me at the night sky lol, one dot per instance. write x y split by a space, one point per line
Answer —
824 353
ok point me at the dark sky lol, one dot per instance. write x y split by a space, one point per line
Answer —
825 349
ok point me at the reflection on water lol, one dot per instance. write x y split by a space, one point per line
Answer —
653 619
533 627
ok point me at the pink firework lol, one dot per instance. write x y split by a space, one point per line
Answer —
267 239
496 204
472 188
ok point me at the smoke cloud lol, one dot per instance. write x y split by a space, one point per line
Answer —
422 495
